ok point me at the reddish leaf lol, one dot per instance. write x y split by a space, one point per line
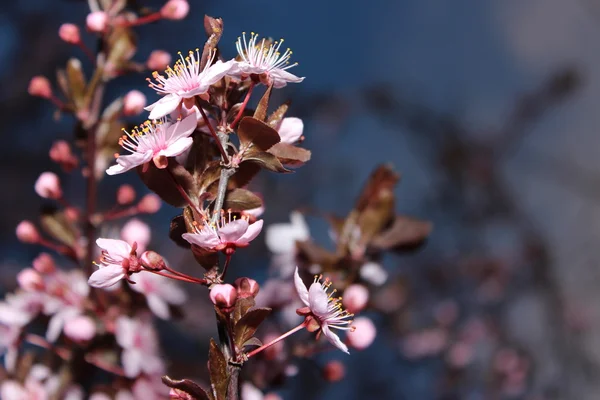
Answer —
214 30
161 183
405 233
265 160
217 367
289 154
261 135
383 178
242 305
261 110
241 199
277 116
188 386
248 324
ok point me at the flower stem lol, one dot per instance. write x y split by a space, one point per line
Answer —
240 113
181 190
227 260
146 19
213 133
277 340
180 277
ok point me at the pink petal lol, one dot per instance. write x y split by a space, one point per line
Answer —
177 147
171 292
106 276
207 238
163 106
125 332
114 247
301 288
182 129
318 300
290 130
252 232
334 339
153 365
281 78
128 162
232 231
281 238
215 72
133 362
158 306
13 390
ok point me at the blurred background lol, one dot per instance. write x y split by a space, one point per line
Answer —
487 108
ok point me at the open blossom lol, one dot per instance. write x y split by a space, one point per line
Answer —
154 141
185 81
281 240
290 129
138 339
324 308
159 292
66 300
264 59
227 235
118 261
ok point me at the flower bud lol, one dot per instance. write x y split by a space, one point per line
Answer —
149 204
39 86
27 232
223 296
355 298
334 371
246 287
81 328
363 334
136 231
134 102
69 33
72 214
48 186
96 21
158 60
152 260
60 153
125 194
44 264
175 9
31 280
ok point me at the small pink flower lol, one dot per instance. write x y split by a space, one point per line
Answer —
81 328
226 236
159 292
355 298
125 194
134 103
158 59
149 204
27 232
246 287
290 130
69 33
264 59
48 186
137 231
325 309
118 261
364 334
223 296
138 339
175 9
39 86
31 280
154 141
185 81
44 264
97 21
334 371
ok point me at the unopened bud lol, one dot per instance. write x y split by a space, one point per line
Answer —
223 296
48 186
152 260
334 371
81 328
125 194
246 287
158 60
27 232
136 231
96 21
175 9
134 103
31 280
69 33
149 204
60 153
363 334
39 86
72 214
44 264
355 298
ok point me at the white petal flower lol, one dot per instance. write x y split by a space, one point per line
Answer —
159 292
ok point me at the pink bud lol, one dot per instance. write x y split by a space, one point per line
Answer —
334 371
134 103
31 280
272 352
81 328
69 33
355 298
136 231
149 204
223 296
175 9
96 21
72 214
27 232
152 260
44 264
246 287
158 60
125 194
48 186
39 86
60 153
363 335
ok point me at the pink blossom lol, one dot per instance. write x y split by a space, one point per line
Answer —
31 280
27 232
39 86
134 102
9 345
97 21
158 59
185 81
149 204
125 194
159 292
355 298
69 33
226 235
246 287
48 186
154 141
137 231
118 261
363 335
66 300
80 328
334 371
223 296
264 59
326 310
18 309
40 384
290 130
44 264
175 9
138 339
281 238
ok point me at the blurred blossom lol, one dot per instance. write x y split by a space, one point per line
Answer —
175 9
80 328
355 298
9 345
446 313
363 335
69 33
460 354
125 194
27 232
136 231
39 86
134 102
44 263
334 371
66 301
48 186
149 204
159 292
29 279
426 343
281 238
96 21
290 130
373 273
158 60
138 339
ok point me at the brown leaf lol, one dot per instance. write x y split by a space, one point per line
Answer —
188 386
217 367
378 213
122 44
261 135
55 224
265 160
241 199
209 179
383 178
261 110
289 154
76 83
161 183
242 305
243 175
277 116
406 233
246 327
214 30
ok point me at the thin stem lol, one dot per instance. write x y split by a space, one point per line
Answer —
226 173
186 278
116 214
146 19
98 362
90 195
213 133
277 340
240 113
87 52
67 251
227 259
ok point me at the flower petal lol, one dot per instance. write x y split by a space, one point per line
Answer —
215 72
177 147
133 361
251 233
301 288
232 231
114 247
106 276
334 339
158 306
128 162
318 300
207 238
290 130
163 106
182 128
281 238
281 78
